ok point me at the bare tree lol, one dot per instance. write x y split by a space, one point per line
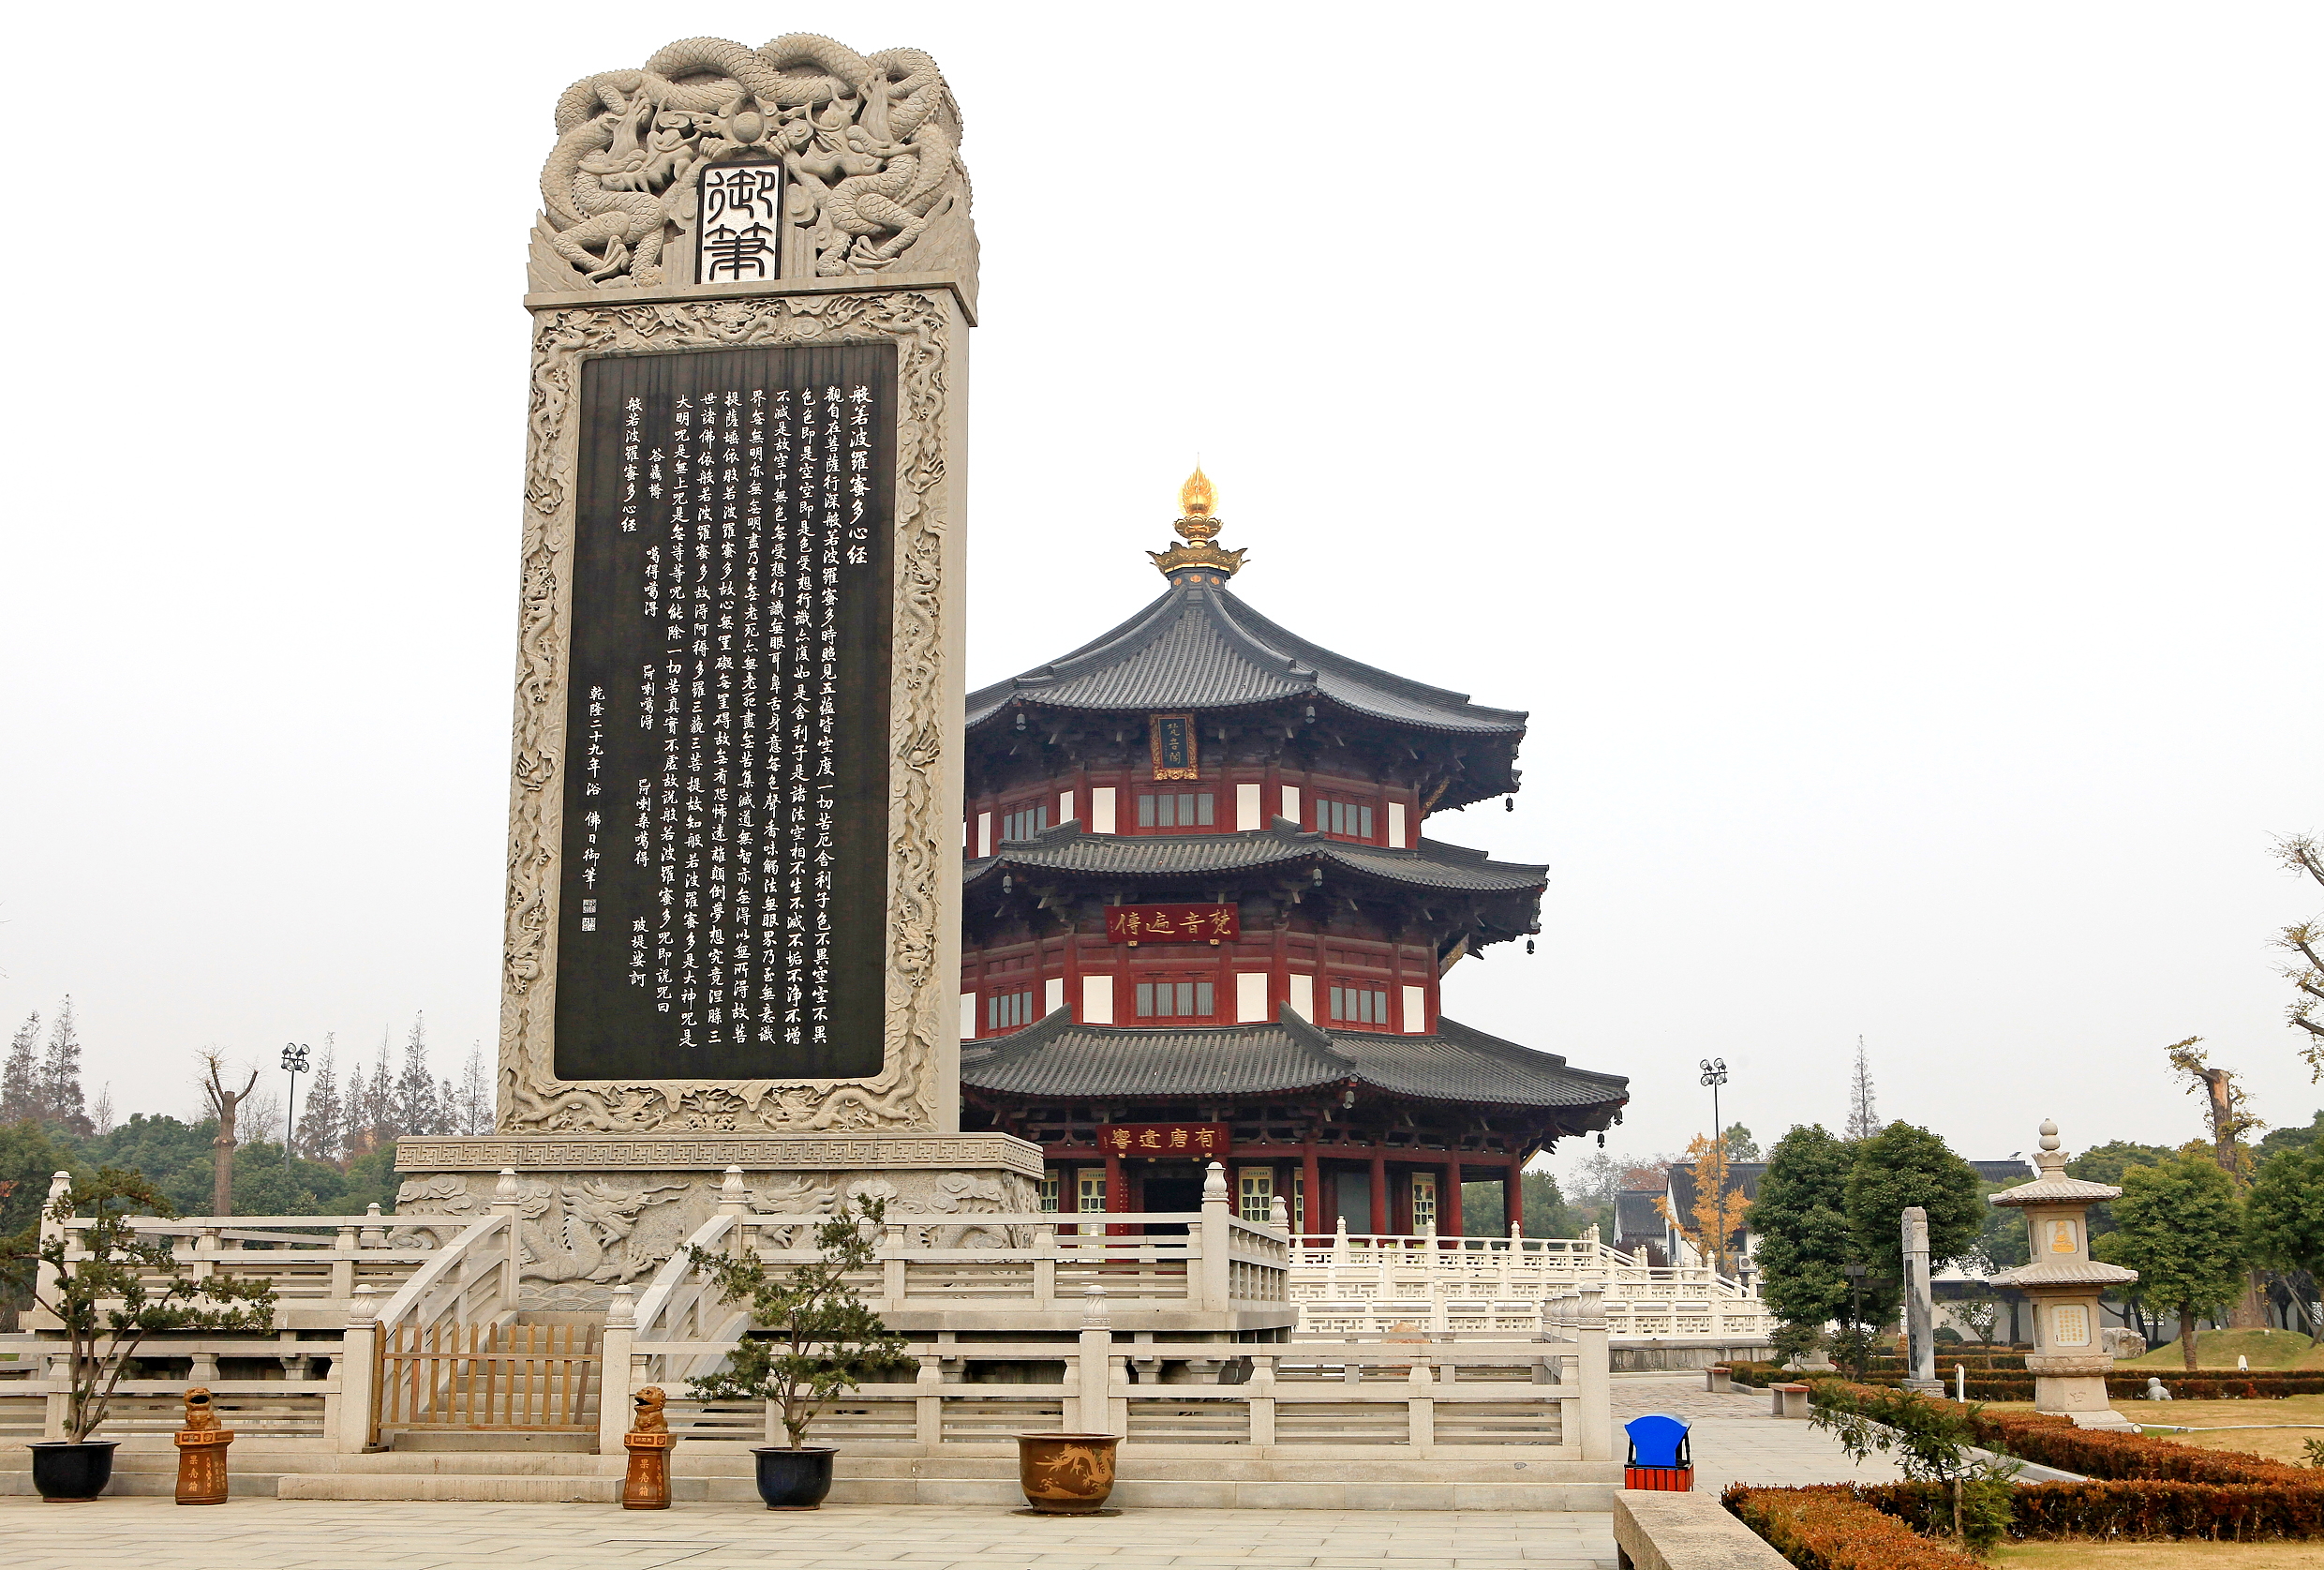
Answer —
2229 1122
1863 1119
225 1105
2300 853
101 1109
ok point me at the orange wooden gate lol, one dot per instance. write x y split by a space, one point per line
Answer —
536 1378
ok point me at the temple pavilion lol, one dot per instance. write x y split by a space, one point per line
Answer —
1203 922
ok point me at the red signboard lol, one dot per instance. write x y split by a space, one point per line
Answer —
1163 1138
1173 923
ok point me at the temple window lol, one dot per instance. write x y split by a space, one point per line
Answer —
1177 809
1049 1192
1352 1005
1025 822
1088 1189
1255 1193
1424 1202
1008 1011
1343 820
1166 999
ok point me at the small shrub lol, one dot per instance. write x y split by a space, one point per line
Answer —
1829 1528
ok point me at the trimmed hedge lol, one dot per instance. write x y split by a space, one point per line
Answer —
2103 1453
1829 1528
2217 1387
2120 1508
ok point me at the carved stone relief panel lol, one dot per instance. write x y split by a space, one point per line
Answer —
868 146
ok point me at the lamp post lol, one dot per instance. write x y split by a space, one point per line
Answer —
294 1064
1856 1274
1714 1075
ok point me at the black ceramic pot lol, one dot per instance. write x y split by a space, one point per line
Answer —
792 1479
63 1470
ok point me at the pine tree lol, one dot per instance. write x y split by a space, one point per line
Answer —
1863 1120
60 1076
416 1112
20 1080
323 1127
476 1108
380 1127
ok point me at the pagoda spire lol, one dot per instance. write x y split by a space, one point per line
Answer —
1199 559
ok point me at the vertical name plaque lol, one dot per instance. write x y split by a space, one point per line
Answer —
724 892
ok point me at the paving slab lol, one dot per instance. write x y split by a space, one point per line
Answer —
1733 1440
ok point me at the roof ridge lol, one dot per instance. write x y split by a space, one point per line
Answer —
1316 654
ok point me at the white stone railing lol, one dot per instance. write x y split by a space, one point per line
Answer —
1368 1285
1310 1399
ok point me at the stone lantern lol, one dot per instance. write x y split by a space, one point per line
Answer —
2069 1361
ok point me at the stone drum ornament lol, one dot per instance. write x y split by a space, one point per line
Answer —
201 1452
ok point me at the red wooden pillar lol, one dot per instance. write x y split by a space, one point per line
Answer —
1449 1206
1381 1221
1512 1197
1311 1178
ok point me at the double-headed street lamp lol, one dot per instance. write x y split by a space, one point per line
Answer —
1714 1075
294 1064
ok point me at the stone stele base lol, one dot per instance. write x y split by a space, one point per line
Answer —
2081 1396
597 1211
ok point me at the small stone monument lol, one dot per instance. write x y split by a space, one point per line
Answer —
1920 1368
2069 1362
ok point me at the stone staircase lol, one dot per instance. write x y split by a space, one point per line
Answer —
1151 1478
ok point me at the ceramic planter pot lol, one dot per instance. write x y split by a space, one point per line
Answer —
63 1470
792 1479
1065 1474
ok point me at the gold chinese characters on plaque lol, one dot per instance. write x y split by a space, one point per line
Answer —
1170 737
1163 1138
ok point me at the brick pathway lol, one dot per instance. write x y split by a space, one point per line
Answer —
301 1534
1733 1440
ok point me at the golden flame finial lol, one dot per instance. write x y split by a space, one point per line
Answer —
1195 497
1198 559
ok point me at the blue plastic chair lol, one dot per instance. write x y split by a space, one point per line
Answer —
1657 1441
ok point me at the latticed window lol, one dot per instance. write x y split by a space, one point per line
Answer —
1424 1202
1007 1010
1353 1005
1255 1193
1049 1193
1166 1000
1177 809
1344 820
1025 822
1088 1189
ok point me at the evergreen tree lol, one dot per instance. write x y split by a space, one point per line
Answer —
1801 1218
60 1076
1901 1166
416 1112
1863 1118
19 1078
322 1130
1739 1145
2180 1225
378 1128
476 1108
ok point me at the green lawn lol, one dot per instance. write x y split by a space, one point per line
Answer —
2219 1349
2073 1553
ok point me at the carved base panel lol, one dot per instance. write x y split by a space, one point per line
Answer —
598 1213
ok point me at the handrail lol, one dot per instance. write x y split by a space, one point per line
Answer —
453 1255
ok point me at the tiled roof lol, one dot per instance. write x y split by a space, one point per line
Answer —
2060 1189
1201 647
1058 1057
1744 1175
1434 865
2069 1272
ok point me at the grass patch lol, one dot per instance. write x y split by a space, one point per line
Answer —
2219 1349
2073 1553
2276 1445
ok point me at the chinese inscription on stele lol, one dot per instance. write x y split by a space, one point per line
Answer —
724 891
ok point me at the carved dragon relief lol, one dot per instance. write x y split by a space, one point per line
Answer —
902 1095
869 145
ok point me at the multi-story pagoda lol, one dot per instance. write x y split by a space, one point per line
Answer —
1202 922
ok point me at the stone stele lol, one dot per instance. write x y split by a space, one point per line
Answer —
877 247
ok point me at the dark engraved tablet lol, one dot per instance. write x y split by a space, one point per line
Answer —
724 891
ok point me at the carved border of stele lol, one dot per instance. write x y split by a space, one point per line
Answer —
916 1087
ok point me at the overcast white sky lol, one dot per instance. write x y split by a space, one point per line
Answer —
1878 444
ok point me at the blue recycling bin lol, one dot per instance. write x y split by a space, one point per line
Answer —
1659 1458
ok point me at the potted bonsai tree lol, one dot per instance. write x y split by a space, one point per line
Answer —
125 1287
821 1341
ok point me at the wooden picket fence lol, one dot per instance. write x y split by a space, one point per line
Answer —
536 1378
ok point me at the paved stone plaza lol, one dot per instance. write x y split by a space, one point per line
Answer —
1733 1439
280 1534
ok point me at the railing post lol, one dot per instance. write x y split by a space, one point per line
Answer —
1261 1387
505 1202
613 1376
1596 1377
358 1370
1096 1362
343 1264
1420 1408
374 1234
1043 1266
928 1402
1216 1278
